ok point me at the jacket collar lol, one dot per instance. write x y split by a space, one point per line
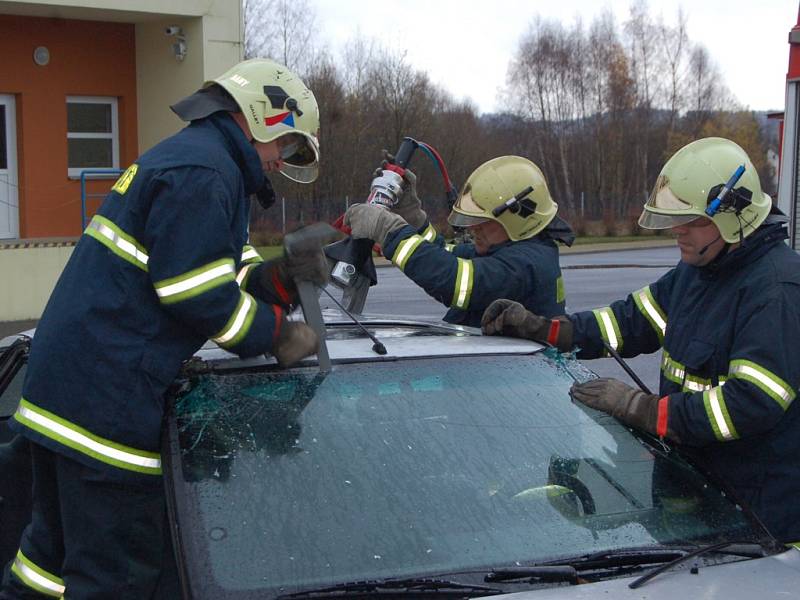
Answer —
240 149
752 248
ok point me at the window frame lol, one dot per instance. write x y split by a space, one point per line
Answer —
75 172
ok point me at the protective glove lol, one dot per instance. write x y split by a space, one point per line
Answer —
631 406
408 205
372 222
295 341
306 262
506 317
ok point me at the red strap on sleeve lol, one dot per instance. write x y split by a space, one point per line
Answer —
663 415
278 322
552 335
278 284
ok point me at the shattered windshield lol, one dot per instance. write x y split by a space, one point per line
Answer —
294 480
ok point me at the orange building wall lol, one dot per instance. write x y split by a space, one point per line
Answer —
87 58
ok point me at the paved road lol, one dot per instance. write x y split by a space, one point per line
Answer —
591 280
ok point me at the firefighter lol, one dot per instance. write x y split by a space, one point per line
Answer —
514 254
728 322
163 266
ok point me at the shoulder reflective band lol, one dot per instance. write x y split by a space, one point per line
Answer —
116 240
718 415
463 289
429 234
36 577
651 310
239 323
676 372
244 275
405 249
449 247
609 328
251 255
82 440
772 385
195 282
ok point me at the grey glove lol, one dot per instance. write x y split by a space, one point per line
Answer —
372 222
304 257
506 317
408 205
631 406
295 341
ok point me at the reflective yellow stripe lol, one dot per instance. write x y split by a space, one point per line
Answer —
609 328
239 323
244 275
768 382
560 293
718 415
251 255
121 185
82 440
651 310
195 282
676 372
405 249
120 243
36 577
449 247
463 289
429 234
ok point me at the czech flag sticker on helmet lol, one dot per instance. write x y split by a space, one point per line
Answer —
286 118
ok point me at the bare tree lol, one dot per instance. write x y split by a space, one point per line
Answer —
282 30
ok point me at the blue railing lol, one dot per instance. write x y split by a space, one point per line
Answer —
94 174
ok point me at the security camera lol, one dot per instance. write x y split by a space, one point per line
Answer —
173 30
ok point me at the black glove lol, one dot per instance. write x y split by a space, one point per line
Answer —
631 406
506 317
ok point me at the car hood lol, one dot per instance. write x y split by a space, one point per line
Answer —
773 577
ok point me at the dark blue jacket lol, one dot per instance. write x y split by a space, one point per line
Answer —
152 278
730 334
526 271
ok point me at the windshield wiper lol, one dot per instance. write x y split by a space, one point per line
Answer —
735 547
413 585
623 557
535 573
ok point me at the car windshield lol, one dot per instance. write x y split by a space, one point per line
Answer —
290 480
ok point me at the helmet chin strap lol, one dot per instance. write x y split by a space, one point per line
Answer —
708 245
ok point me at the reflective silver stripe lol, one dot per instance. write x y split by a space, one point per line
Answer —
608 326
650 308
37 578
429 234
405 249
676 372
770 383
463 289
244 273
718 414
117 241
68 434
196 281
250 254
239 321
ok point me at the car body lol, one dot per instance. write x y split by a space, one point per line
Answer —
452 464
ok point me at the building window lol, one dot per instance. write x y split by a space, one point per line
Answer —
92 134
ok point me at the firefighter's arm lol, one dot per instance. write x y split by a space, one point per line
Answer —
193 262
632 326
467 282
759 388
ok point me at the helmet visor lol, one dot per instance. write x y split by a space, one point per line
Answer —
466 212
664 209
300 155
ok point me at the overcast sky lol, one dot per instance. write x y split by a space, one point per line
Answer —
465 45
